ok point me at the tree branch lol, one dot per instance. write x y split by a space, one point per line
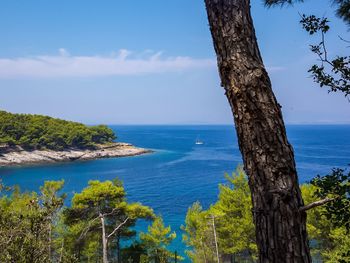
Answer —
86 229
316 204
118 227
110 213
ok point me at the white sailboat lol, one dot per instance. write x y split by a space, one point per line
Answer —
199 142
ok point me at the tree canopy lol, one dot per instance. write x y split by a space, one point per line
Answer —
27 222
333 73
43 132
101 205
233 224
156 241
327 225
342 6
36 227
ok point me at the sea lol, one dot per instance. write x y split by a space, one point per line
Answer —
179 172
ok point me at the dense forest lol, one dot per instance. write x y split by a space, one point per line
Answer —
98 225
37 227
43 132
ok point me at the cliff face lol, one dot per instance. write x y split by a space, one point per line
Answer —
12 156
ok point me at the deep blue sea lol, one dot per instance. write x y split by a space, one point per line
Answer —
180 172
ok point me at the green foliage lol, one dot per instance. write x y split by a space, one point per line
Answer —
35 227
343 6
332 73
135 253
234 212
156 241
26 224
198 235
38 132
335 185
100 200
343 10
98 197
341 249
318 226
233 224
330 240
327 225
313 24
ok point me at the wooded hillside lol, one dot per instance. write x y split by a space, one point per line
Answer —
43 132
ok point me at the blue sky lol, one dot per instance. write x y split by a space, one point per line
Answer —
151 62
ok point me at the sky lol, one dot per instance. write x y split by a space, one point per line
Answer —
152 62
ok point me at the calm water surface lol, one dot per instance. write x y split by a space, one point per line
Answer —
181 172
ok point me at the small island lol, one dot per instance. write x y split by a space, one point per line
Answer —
36 139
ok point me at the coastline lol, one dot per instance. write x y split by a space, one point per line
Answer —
17 156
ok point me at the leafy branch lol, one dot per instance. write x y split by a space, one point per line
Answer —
332 73
336 188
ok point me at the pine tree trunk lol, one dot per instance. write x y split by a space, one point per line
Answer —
104 240
268 157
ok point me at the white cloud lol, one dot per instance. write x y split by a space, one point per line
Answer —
122 63
63 52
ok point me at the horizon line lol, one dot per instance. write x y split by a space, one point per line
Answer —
212 124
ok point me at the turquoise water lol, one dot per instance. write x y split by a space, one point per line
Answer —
180 172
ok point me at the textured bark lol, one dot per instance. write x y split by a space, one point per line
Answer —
268 157
104 240
316 204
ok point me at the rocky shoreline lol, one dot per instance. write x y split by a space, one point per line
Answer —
16 156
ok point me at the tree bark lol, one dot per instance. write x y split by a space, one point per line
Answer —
104 240
268 157
316 204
